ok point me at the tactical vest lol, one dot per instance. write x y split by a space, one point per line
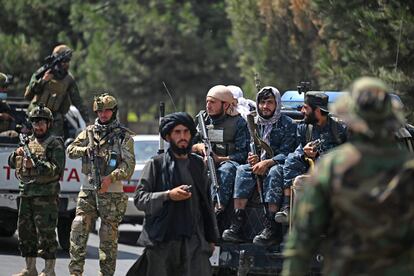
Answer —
32 175
109 151
222 136
55 95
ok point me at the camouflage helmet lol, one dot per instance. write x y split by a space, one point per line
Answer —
104 101
61 49
369 108
41 112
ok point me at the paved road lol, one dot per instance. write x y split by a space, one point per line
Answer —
11 262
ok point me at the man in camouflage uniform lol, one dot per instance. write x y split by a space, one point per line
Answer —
6 119
360 195
279 132
229 137
57 89
39 188
116 162
317 124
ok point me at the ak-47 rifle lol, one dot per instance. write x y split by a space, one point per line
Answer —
95 175
317 145
256 147
210 161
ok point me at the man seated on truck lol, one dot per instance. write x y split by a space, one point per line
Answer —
229 138
279 132
317 124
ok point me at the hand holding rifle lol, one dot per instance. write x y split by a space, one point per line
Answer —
24 151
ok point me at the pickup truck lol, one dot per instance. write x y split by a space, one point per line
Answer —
244 259
70 182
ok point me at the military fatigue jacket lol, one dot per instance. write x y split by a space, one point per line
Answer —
361 197
70 96
111 140
43 179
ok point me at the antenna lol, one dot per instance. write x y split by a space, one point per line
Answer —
169 94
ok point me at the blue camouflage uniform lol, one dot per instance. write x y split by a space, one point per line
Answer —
282 142
332 135
226 171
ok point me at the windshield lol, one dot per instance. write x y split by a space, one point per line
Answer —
144 150
292 105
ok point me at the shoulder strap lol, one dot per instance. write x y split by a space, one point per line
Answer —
309 128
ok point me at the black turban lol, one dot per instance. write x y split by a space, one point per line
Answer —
178 118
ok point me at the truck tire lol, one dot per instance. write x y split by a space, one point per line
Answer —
63 229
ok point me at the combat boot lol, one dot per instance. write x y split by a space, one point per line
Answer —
283 215
30 269
271 235
235 232
49 268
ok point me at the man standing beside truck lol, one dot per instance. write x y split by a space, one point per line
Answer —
107 152
39 165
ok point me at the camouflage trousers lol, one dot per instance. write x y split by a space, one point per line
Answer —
245 184
110 208
36 225
226 173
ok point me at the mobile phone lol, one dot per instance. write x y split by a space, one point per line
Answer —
187 188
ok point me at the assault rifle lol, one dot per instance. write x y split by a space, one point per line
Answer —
24 142
52 62
317 145
95 176
256 147
210 161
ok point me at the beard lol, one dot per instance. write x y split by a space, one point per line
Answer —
40 136
219 114
179 150
266 116
310 119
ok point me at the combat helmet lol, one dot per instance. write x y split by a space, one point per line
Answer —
41 112
369 108
60 49
104 101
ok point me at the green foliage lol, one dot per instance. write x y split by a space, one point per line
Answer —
131 47
374 39
125 47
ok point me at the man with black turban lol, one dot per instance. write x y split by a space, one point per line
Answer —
180 229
